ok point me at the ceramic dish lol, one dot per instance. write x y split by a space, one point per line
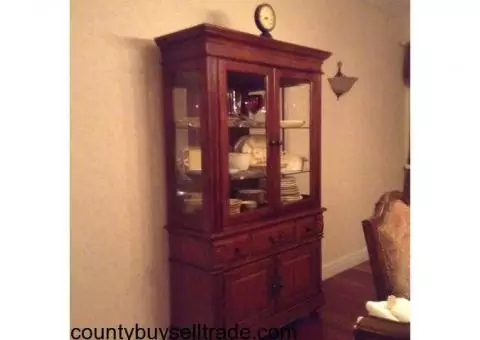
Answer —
256 146
247 143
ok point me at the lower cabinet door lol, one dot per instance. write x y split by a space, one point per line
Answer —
248 293
298 275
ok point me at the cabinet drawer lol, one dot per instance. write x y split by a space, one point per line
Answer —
307 227
273 238
232 249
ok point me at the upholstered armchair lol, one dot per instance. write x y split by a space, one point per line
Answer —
387 235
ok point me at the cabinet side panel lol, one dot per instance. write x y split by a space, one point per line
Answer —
190 250
192 296
316 135
187 150
169 139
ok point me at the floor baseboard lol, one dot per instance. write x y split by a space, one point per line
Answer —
343 263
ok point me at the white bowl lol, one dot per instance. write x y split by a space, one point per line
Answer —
237 160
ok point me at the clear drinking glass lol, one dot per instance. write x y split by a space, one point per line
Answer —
234 103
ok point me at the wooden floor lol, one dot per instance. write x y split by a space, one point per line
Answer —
346 294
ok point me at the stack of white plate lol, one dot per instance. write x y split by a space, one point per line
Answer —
234 206
289 190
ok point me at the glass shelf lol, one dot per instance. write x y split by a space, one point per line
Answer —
236 124
247 174
240 175
242 127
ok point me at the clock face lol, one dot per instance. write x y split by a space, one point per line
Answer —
266 17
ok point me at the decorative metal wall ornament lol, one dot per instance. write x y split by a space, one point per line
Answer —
340 83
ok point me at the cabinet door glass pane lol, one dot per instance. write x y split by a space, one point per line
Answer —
294 106
248 153
188 152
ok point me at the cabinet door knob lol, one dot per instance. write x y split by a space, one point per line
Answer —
273 289
276 286
280 283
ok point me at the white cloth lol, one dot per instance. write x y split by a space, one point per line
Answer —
394 309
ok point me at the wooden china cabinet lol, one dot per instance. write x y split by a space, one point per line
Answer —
242 136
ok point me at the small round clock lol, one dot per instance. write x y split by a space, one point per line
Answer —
265 19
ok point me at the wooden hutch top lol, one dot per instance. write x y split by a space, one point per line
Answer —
210 40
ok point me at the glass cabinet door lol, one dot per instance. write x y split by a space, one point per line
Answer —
295 141
186 182
247 162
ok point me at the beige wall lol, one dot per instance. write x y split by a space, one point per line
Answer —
118 247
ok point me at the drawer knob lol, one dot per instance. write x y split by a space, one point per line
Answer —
276 287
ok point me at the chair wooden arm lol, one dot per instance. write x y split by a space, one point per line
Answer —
373 328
